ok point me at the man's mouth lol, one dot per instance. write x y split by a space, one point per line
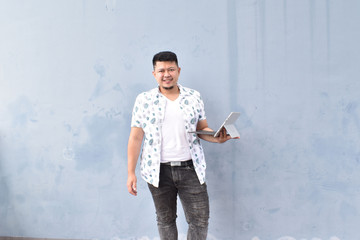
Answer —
167 80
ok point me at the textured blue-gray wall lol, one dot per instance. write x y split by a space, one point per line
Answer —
69 75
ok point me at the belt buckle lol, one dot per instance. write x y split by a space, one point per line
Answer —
175 164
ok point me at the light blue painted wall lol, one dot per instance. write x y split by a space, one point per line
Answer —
69 75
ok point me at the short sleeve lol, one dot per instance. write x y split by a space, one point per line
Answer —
201 110
136 113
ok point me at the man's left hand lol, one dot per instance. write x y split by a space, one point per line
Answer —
223 136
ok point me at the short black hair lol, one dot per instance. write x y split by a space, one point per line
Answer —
165 56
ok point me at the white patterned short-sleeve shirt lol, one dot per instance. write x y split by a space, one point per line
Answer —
148 114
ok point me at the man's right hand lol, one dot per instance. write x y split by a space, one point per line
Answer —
131 184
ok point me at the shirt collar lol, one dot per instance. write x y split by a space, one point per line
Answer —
183 91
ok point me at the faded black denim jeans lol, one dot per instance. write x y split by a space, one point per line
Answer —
182 181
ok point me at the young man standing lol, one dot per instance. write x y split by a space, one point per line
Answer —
172 159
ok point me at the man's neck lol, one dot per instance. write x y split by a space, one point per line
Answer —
172 93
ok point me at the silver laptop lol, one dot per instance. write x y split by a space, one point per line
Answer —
228 125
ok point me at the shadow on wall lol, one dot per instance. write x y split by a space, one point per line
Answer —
9 221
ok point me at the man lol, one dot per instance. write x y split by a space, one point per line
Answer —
172 159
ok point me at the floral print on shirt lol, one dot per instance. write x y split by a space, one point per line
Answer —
148 114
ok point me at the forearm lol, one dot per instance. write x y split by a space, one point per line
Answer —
134 147
223 136
202 125
208 138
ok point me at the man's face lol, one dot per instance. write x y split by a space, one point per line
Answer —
166 74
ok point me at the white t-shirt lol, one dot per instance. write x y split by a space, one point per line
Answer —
174 142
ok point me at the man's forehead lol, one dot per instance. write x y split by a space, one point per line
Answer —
162 64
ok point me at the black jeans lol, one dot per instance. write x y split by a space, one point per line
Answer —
182 181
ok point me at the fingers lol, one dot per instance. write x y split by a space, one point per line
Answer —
131 185
222 133
133 189
224 136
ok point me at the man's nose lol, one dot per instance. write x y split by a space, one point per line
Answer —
167 73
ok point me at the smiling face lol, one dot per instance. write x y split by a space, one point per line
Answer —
167 75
